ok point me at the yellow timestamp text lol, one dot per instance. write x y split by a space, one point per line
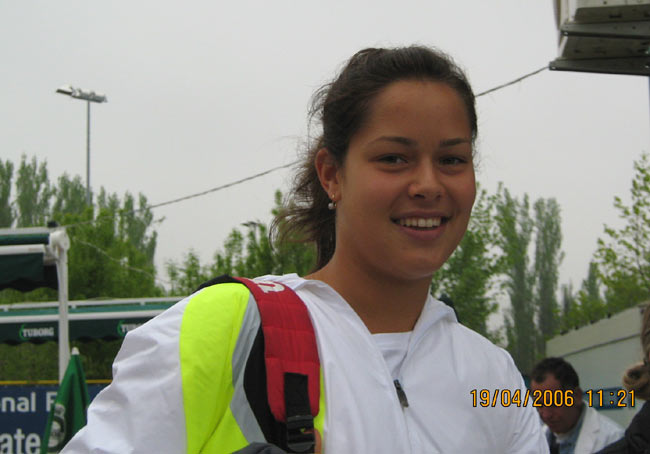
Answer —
519 398
620 398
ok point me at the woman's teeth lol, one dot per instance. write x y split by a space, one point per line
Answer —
423 223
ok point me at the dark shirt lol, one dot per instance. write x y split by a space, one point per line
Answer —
637 436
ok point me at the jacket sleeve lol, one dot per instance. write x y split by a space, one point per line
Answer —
528 436
142 409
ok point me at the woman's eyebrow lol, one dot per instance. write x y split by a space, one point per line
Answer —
455 141
413 143
397 139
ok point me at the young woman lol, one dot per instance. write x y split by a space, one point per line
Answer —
386 194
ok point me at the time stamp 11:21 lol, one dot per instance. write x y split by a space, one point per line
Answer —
619 398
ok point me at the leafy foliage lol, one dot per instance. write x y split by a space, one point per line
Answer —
592 306
548 256
568 318
111 255
69 196
469 274
624 257
186 277
244 254
516 229
6 212
33 193
533 316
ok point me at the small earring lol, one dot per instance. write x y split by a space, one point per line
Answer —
332 204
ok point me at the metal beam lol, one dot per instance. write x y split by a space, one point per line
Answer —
634 30
635 66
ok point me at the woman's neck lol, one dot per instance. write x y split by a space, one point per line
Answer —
385 304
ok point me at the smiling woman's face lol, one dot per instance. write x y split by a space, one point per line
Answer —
406 188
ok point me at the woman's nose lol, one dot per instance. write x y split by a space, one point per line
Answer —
426 183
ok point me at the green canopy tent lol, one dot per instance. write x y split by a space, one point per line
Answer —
104 319
38 257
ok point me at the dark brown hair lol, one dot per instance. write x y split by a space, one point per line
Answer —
341 107
560 368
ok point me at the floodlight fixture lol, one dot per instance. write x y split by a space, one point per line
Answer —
80 93
88 96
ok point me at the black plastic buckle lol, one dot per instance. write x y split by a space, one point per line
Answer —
298 439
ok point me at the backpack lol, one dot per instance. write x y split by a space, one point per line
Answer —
285 357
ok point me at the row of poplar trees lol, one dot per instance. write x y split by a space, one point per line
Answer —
508 260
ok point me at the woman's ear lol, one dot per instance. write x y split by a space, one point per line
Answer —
328 173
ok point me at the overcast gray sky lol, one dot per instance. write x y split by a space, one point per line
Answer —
202 93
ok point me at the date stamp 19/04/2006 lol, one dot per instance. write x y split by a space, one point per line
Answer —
620 398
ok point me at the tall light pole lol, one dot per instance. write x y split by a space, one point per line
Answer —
88 96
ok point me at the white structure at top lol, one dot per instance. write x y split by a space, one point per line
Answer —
606 36
600 10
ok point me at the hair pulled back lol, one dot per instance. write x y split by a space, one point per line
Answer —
342 107
637 377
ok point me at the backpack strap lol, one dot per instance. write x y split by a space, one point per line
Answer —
291 359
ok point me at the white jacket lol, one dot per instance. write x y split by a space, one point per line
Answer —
444 363
141 411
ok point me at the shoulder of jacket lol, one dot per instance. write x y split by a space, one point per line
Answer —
612 426
215 311
480 345
596 421
214 296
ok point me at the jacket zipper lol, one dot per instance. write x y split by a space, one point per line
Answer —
401 395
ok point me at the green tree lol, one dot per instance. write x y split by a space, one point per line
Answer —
569 308
548 256
6 176
253 254
624 256
292 255
470 273
248 253
591 305
515 233
33 193
188 276
230 259
69 196
111 255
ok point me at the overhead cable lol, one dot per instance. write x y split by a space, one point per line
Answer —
219 188
120 262
244 180
266 172
181 199
519 79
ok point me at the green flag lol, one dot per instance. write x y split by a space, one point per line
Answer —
68 412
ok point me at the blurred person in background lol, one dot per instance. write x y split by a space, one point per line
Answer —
637 379
575 428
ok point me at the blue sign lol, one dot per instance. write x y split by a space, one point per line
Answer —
23 415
